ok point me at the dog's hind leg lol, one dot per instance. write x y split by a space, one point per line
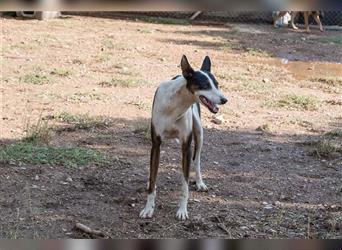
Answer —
182 213
318 20
198 137
147 212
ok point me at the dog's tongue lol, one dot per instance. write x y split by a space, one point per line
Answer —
215 109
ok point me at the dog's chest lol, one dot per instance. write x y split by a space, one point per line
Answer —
171 128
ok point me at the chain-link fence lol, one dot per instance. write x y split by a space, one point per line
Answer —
327 17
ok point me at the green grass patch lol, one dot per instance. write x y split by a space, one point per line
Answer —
327 148
295 102
83 121
334 133
164 20
60 72
331 39
29 153
36 78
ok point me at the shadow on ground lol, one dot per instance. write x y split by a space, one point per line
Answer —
261 185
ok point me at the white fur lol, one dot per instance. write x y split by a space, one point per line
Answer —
148 211
182 213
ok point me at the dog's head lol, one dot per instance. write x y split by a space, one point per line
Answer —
203 84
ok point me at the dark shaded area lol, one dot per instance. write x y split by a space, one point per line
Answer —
282 42
261 185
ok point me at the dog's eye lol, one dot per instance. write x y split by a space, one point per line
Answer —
204 85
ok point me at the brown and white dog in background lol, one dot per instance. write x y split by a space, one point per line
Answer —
294 14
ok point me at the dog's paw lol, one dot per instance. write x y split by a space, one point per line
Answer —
182 214
201 187
147 212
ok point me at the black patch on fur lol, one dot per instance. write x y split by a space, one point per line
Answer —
174 78
198 81
212 77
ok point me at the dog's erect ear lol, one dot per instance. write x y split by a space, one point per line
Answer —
206 65
187 71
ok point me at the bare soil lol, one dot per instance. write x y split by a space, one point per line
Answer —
265 179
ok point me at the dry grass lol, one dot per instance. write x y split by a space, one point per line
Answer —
38 133
83 121
295 102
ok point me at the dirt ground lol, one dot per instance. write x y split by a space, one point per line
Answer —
268 174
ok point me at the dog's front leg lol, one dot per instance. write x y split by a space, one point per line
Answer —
147 212
182 213
293 16
306 20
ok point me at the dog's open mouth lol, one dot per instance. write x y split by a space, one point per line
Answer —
209 104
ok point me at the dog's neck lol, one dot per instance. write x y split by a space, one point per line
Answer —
181 98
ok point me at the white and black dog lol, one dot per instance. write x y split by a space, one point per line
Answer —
176 115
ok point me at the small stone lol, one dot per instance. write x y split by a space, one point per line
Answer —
269 206
218 119
35 186
243 228
36 178
215 162
266 80
284 61
69 179
196 200
132 205
264 203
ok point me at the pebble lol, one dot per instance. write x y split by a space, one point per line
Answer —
218 119
69 179
36 178
284 61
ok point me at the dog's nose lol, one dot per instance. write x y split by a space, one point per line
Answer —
223 100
